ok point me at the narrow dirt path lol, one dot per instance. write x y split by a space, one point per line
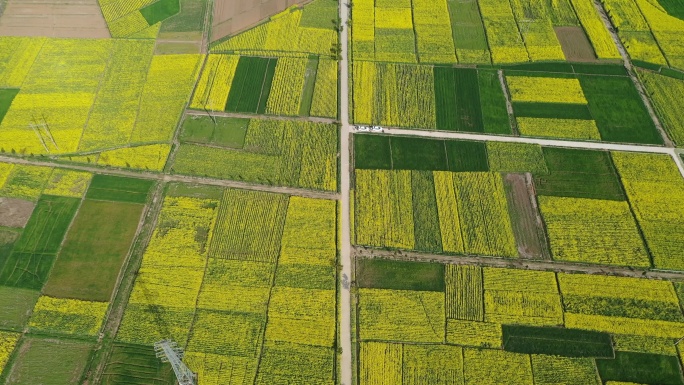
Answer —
271 117
525 264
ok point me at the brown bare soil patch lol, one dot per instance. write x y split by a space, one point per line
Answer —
527 224
233 16
53 18
15 212
575 44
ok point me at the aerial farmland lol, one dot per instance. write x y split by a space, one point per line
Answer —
363 192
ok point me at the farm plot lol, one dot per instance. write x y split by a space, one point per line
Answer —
578 107
650 33
666 94
246 257
112 95
144 19
288 86
512 326
274 152
408 219
295 32
40 360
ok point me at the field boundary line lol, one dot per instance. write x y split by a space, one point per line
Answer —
516 263
226 114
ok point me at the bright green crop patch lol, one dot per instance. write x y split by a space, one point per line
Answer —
418 154
228 132
641 368
551 110
372 152
399 275
493 103
457 98
251 85
161 10
467 156
556 341
15 306
6 97
579 174
135 365
119 189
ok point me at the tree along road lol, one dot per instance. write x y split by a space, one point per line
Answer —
517 263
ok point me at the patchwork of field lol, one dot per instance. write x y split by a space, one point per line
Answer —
273 152
286 86
479 31
451 324
569 101
246 280
460 197
650 30
64 236
104 102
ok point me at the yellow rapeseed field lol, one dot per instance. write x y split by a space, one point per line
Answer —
8 341
68 316
68 183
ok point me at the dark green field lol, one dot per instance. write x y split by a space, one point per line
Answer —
160 11
226 132
119 189
251 85
457 98
136 365
372 152
623 119
418 154
6 97
94 250
399 275
34 253
467 156
579 174
556 341
309 84
493 103
425 215
641 368
551 110
467 28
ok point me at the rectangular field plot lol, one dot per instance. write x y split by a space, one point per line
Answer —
95 247
34 252
119 189
48 361
135 364
273 152
246 277
493 328
251 85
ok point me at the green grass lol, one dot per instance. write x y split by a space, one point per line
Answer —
600 69
136 365
189 19
619 119
119 189
466 25
48 362
95 248
551 110
556 341
457 98
467 156
372 152
641 368
6 97
160 10
309 83
425 217
227 132
251 84
579 174
15 306
319 14
493 103
417 154
399 275
30 262
673 7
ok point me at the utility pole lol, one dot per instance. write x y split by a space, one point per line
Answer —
169 352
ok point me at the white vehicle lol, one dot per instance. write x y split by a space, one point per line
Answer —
362 128
376 129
